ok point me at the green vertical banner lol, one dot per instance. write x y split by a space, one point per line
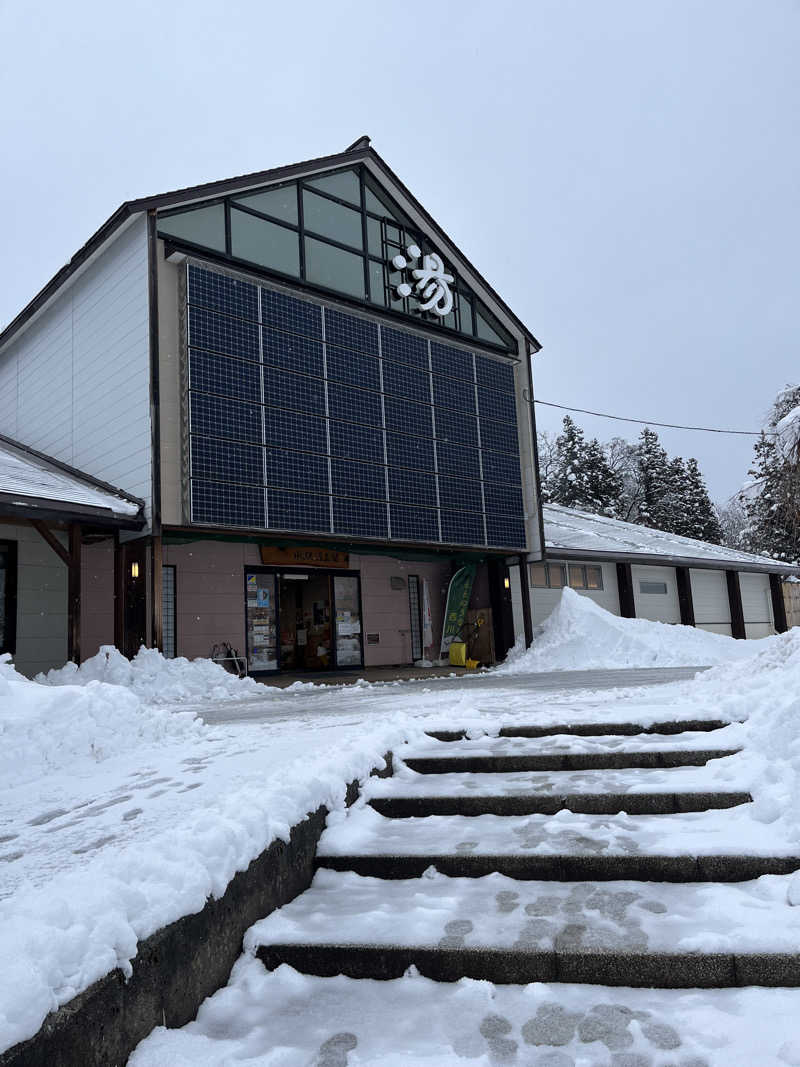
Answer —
455 612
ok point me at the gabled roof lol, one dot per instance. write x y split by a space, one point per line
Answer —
33 485
580 535
359 151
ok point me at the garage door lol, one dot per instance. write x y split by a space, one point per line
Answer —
655 594
712 609
756 605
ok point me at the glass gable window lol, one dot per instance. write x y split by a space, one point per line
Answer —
305 417
340 232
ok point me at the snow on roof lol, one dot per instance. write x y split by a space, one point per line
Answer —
567 528
30 475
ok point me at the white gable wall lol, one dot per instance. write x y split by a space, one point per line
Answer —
76 383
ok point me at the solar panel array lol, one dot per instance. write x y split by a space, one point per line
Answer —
307 418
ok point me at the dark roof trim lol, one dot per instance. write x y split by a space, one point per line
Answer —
15 506
358 152
65 468
651 560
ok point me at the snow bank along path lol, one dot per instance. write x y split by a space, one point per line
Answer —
580 635
118 817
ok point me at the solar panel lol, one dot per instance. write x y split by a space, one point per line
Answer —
414 524
219 333
227 461
221 504
302 418
221 292
412 487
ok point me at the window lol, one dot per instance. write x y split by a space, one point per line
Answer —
577 576
653 587
585 577
594 578
168 610
302 229
8 596
548 575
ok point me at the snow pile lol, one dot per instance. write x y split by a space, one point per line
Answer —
580 635
155 679
765 691
44 729
59 937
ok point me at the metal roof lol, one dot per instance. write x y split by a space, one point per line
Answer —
580 535
35 485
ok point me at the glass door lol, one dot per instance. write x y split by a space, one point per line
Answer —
262 643
349 644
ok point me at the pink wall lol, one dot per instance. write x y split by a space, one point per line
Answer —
210 594
210 599
97 596
386 610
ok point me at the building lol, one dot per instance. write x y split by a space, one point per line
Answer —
279 412
641 573
320 403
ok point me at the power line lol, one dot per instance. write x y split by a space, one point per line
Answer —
652 422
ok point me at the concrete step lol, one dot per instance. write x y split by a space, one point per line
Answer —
296 1020
499 930
592 729
638 792
572 761
708 846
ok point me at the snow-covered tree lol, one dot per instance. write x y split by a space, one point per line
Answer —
772 500
701 519
603 483
656 481
569 481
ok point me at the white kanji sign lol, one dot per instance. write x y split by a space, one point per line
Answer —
431 282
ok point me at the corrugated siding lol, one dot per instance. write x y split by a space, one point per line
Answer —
712 609
658 607
41 601
756 605
76 384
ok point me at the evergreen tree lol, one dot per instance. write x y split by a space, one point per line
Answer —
569 481
772 501
701 515
603 484
655 482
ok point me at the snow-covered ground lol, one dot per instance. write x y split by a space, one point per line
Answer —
119 814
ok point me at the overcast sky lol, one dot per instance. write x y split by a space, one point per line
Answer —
625 172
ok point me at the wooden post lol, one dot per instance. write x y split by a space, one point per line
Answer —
156 582
685 600
525 591
735 601
119 593
627 603
778 604
74 595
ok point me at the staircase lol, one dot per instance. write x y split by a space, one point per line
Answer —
586 855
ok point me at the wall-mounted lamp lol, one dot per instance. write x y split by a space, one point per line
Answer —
507 583
134 570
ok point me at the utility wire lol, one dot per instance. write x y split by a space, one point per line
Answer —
651 422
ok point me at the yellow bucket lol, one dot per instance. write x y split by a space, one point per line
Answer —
471 664
458 654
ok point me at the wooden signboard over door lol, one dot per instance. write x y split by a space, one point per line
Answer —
300 556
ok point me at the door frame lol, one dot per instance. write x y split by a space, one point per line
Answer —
331 572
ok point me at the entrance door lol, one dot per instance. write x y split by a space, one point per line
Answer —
305 622
302 620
